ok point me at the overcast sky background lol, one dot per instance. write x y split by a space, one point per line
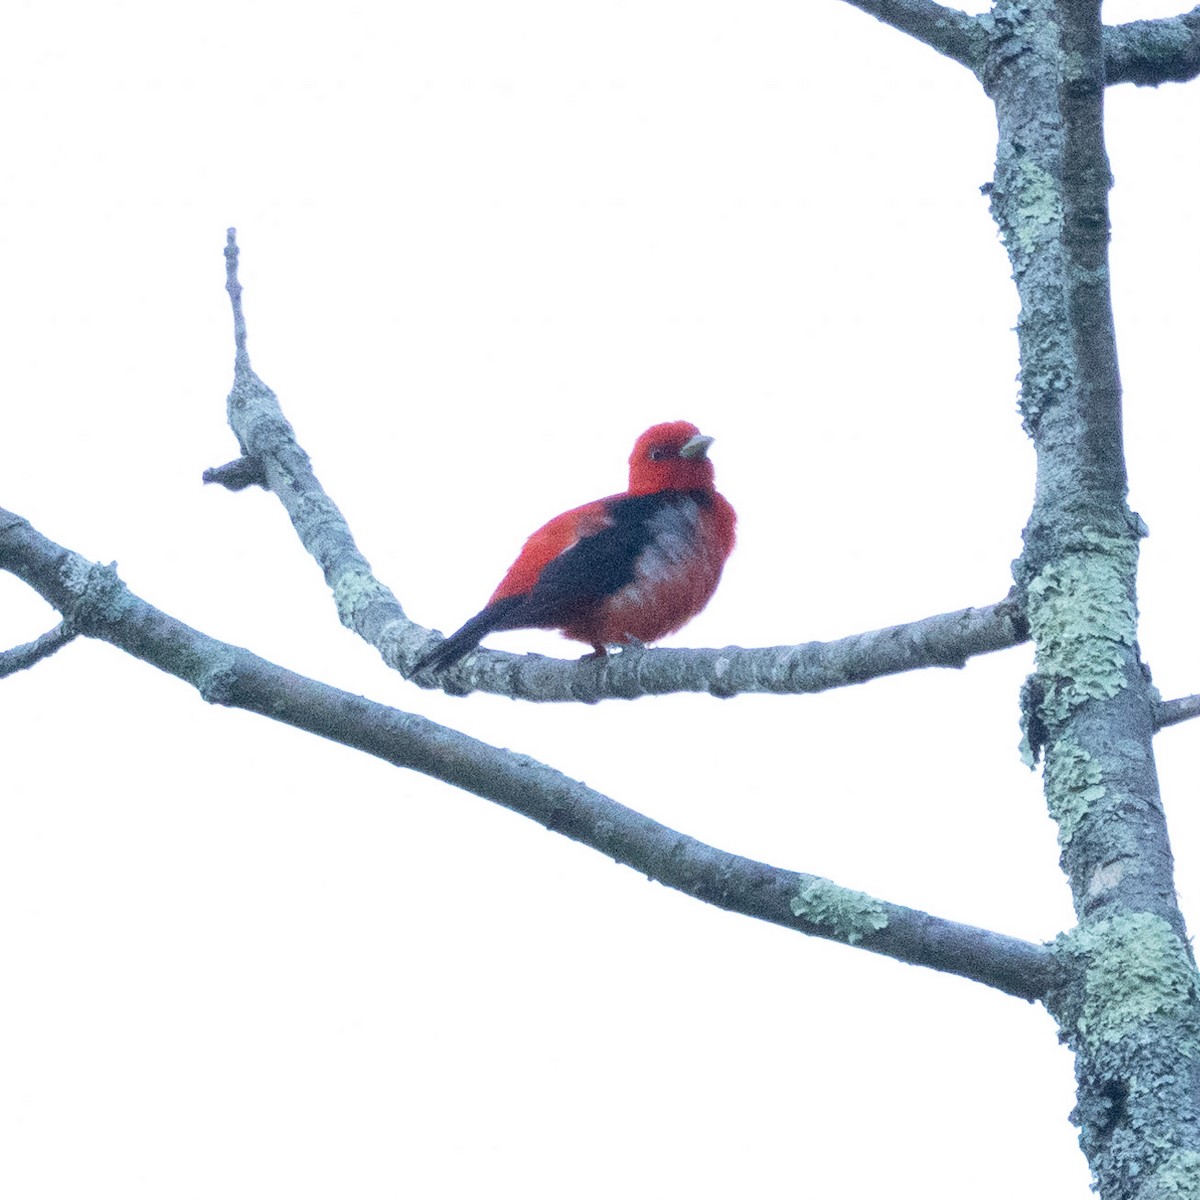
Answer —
484 245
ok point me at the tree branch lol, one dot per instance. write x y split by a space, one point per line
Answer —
1145 53
945 640
1172 712
1148 53
94 600
951 32
21 658
274 459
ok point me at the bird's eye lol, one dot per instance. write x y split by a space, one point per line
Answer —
658 454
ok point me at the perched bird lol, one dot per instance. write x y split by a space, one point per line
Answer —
629 568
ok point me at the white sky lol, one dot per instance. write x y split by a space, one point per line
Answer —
484 246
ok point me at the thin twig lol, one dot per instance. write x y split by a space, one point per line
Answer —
234 287
21 658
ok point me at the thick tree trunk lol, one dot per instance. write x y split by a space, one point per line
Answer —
1127 998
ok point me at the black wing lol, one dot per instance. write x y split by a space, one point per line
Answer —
580 578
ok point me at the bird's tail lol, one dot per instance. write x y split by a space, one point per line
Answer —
448 652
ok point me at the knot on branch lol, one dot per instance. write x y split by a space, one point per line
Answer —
101 599
241 473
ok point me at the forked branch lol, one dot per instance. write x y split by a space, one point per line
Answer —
274 459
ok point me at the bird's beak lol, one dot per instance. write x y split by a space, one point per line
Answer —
696 447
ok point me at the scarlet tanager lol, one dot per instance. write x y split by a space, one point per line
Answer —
629 568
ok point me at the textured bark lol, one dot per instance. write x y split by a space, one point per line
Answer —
1152 52
1127 996
950 31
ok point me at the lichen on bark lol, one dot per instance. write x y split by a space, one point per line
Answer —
849 914
1130 988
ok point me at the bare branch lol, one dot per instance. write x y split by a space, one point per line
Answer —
274 459
951 32
1148 53
21 658
1172 712
94 599
945 640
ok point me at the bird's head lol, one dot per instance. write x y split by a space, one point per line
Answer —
670 458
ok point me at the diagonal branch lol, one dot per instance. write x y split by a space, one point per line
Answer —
95 600
21 658
274 459
1148 53
951 32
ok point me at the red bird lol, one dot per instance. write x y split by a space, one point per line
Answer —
631 567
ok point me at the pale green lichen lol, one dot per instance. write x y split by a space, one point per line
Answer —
100 596
1029 209
1046 371
1083 621
1127 1006
851 915
1037 213
1074 66
1177 1179
1138 975
352 592
1073 786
